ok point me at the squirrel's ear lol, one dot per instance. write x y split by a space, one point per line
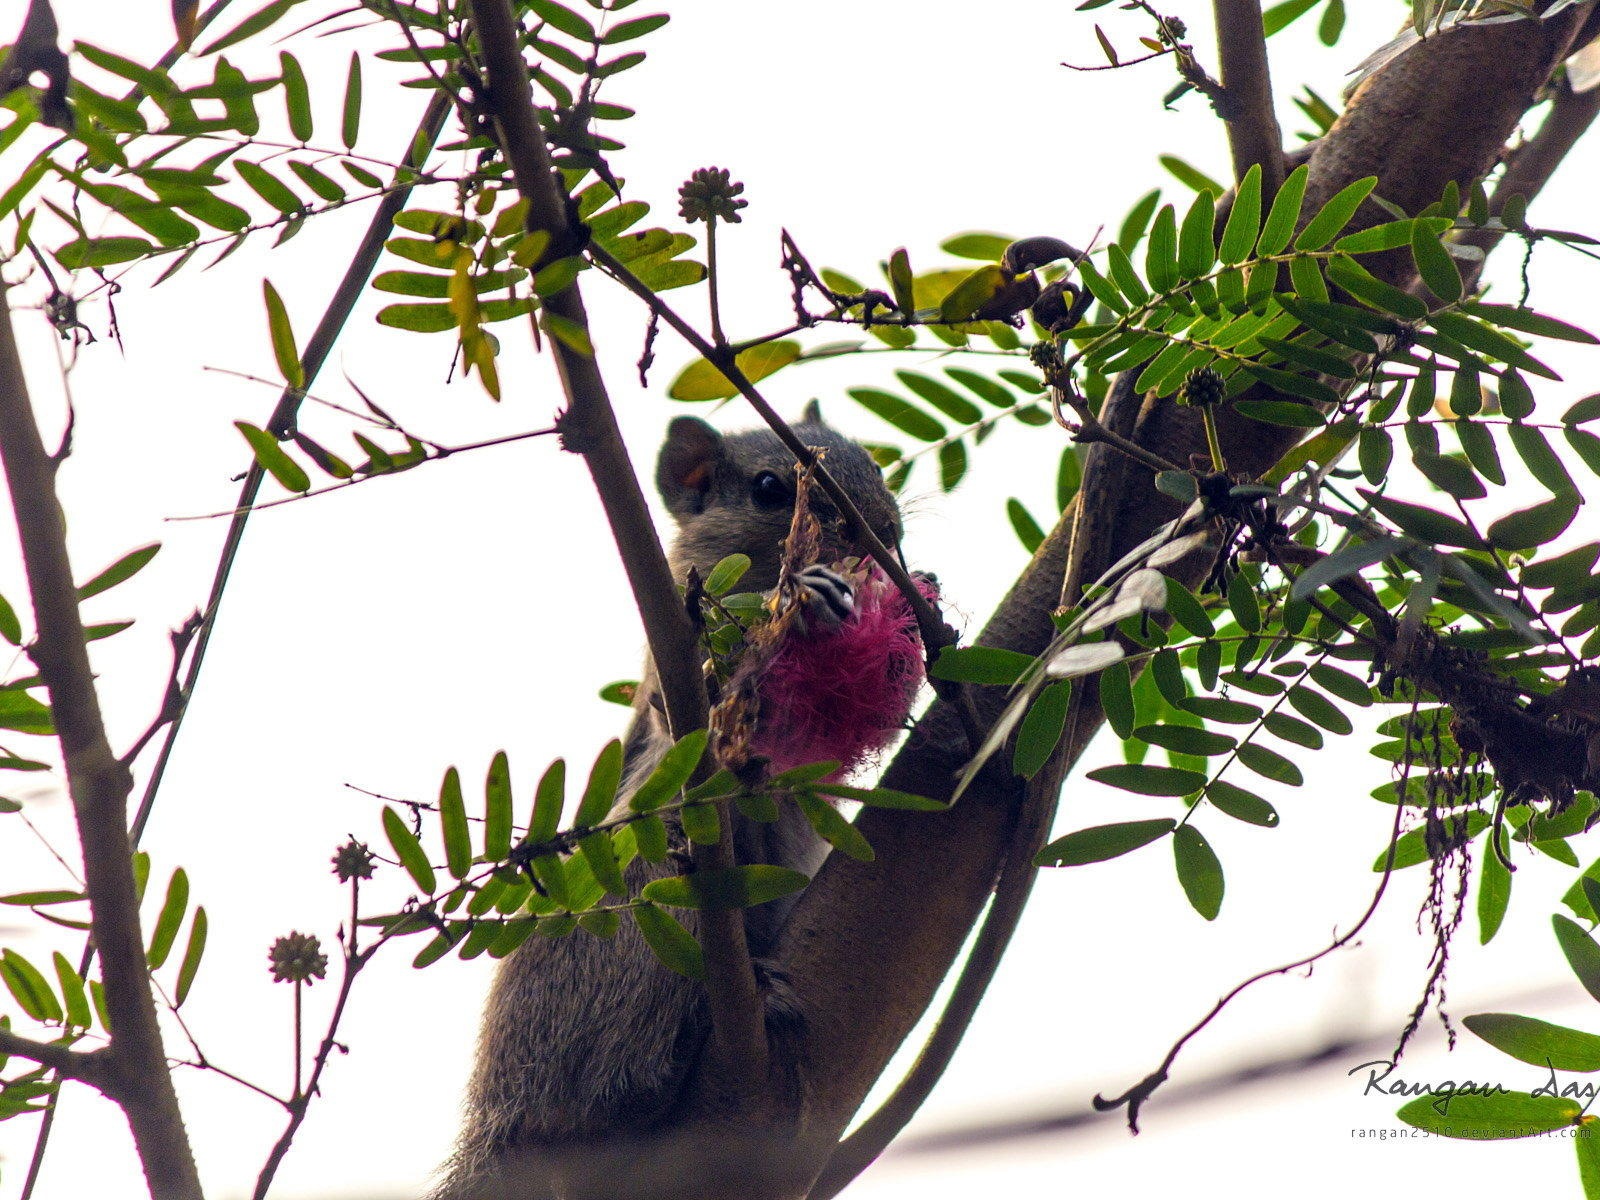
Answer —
688 460
811 414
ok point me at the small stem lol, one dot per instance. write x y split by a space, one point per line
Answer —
299 1042
1213 442
712 274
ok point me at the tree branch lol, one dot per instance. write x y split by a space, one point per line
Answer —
737 1057
1530 166
136 1073
1253 134
86 1066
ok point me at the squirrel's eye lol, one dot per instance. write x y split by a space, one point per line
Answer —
769 491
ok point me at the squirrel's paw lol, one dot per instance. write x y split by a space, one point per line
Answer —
829 599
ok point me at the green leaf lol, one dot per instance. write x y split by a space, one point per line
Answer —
1541 461
1217 708
1191 176
1244 218
102 251
497 808
1316 707
1366 287
1539 1043
1390 235
1450 475
1476 1117
1280 412
1102 842
1041 729
980 664
1196 252
1161 252
1524 320
1244 605
670 941
1494 895
1351 560
948 401
627 31
193 951
1284 214
1199 871
1423 523
1240 803
1149 780
1293 729
1586 445
1531 527
296 97
832 828
1335 214
882 797
600 852
548 800
1023 525
1270 764
952 465
1434 264
169 919
898 412
269 187
283 347
729 887
1186 739
290 474
671 773
1187 611
985 247
409 851
1583 955
74 994
1584 411
969 295
1516 397
28 987
701 380
564 19
124 568
262 18
1487 340
601 791
727 573
453 822
350 123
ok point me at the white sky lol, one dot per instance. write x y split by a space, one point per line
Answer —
376 636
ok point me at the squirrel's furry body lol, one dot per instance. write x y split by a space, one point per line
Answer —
589 1042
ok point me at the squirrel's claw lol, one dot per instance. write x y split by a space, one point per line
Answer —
828 597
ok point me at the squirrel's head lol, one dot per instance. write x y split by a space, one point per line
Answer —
734 494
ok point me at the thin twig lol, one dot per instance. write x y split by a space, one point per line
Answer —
443 453
86 1066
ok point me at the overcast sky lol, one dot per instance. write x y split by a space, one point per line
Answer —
376 636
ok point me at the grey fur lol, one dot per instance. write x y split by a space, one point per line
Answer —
586 1044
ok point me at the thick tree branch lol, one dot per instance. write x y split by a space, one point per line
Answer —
1530 166
136 1074
1253 134
737 1056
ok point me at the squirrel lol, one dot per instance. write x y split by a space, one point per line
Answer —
587 1043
